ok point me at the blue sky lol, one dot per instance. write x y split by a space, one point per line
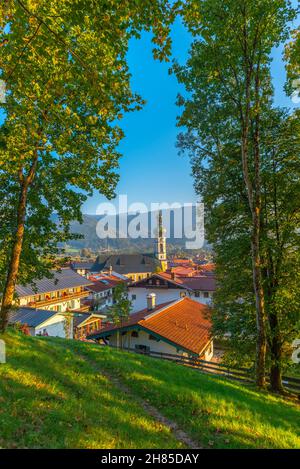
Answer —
151 169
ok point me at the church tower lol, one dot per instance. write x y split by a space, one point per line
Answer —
160 251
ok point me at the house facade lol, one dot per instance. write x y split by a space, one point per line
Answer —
42 322
168 286
85 324
101 290
180 327
64 292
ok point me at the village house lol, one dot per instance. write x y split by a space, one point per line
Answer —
42 322
171 285
132 266
86 323
101 290
63 292
180 327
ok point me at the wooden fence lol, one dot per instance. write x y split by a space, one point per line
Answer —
245 375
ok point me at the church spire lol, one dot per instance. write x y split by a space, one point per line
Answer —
160 243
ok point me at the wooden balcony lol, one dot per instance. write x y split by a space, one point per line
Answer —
82 309
59 299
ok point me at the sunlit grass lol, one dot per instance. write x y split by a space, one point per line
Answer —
215 411
52 398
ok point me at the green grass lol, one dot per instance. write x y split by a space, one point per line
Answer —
50 397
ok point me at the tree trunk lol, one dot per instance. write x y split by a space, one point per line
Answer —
255 209
9 289
276 352
13 268
261 348
261 341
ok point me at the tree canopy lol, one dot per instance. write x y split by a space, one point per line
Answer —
245 162
64 65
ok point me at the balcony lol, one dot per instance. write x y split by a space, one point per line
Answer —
59 299
83 309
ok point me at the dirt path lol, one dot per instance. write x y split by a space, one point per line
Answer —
179 434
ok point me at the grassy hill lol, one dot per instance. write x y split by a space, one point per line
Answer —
63 394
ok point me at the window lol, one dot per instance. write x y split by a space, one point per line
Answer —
206 294
134 334
152 337
197 294
133 297
142 348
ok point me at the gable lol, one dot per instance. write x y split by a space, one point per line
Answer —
155 281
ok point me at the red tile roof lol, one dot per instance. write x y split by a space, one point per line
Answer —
197 282
103 282
207 267
185 323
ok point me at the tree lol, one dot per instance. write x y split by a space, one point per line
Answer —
280 234
292 57
86 252
228 78
67 87
119 312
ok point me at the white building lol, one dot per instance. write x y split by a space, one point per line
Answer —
101 289
181 327
63 292
168 287
43 322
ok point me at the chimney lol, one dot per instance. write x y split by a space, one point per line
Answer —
173 275
151 297
110 270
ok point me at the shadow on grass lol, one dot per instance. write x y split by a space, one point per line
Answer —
214 410
50 398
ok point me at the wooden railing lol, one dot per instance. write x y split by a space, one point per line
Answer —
245 375
82 309
59 299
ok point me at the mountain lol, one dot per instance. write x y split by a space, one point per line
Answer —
110 233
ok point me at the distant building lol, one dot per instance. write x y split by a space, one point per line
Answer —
179 327
85 323
61 293
42 322
132 266
101 290
168 286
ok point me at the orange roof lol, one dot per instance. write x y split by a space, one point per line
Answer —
197 282
207 267
183 271
184 323
102 282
